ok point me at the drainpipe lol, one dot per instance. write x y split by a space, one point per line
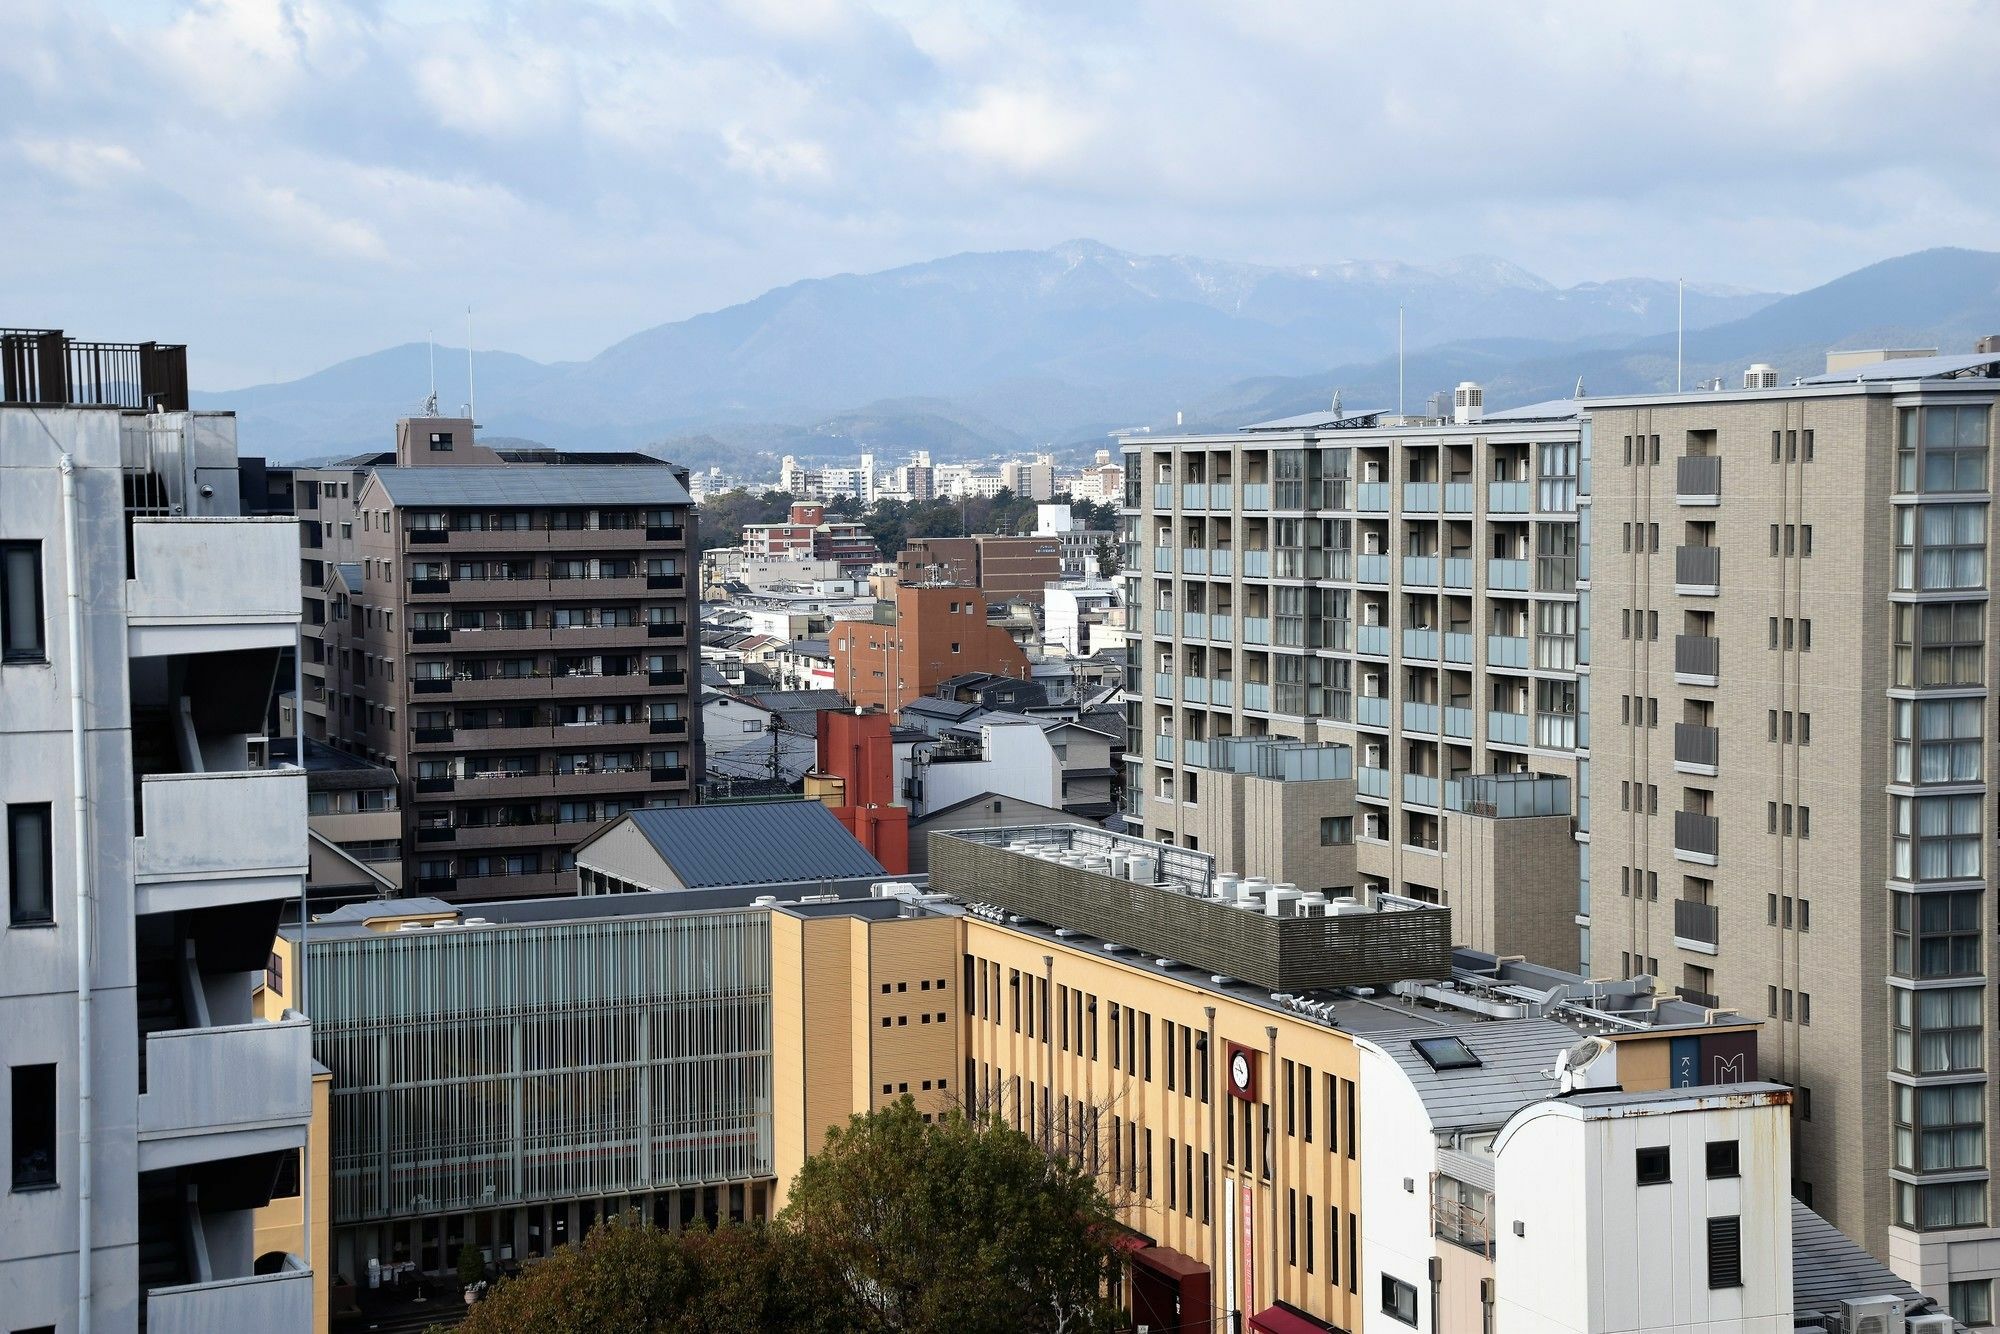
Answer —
80 839
299 968
1437 1287
1219 1302
1269 1144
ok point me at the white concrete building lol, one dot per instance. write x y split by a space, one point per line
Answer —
1082 617
148 852
1011 759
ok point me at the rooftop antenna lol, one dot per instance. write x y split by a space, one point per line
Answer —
1680 327
1579 387
431 403
1399 360
470 412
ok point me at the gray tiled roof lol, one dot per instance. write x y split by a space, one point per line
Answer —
765 843
533 486
1514 1058
1829 1267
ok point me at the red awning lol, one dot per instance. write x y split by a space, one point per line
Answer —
1284 1320
1129 1242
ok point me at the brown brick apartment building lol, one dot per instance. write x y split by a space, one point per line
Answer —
514 642
928 634
1002 568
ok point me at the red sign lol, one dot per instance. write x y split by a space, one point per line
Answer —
1249 1261
1242 1072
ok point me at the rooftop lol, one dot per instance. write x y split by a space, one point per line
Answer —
757 843
588 485
330 770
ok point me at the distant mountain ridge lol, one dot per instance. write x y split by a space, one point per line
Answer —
992 350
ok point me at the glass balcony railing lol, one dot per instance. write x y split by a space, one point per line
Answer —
1420 497
1371 711
1457 646
1371 569
1421 571
1507 651
1506 729
1420 644
1418 717
1507 576
1507 497
1373 640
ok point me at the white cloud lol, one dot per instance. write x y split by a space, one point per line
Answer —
589 167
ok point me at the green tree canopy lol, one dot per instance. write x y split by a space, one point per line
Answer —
898 1226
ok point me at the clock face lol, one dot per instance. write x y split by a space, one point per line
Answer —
1239 1070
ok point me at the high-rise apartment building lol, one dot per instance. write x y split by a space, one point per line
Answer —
1741 643
1408 590
513 639
146 850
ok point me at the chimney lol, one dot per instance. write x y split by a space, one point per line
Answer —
1761 376
1468 403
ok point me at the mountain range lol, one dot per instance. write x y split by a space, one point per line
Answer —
993 351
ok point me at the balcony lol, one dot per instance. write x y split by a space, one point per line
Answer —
1420 790
1695 748
211 839
1222 692
1372 498
1221 561
1507 651
1163 560
1256 561
482 589
1506 729
1257 697
1194 496
212 585
254 1301
1163 622
1507 497
1194 625
1458 497
1420 497
1220 626
1458 571
1194 560
1696 837
1256 497
1458 723
1698 479
1420 644
1371 711
1457 646
1371 569
1697 660
1695 926
1419 717
227 1092
1256 629
1507 576
1372 640
1698 571
1194 689
1369 782
1165 685
1420 570
1163 495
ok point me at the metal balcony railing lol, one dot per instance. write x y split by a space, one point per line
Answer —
1696 745
1698 479
42 367
1698 656
1698 567
1696 834
1695 921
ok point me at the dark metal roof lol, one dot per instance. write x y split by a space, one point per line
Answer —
1516 1067
1327 420
595 485
1828 1268
329 770
765 843
1911 368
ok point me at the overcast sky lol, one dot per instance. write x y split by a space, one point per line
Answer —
283 183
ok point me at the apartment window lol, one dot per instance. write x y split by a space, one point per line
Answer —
1936 741
1936 935
33 1112
30 865
1399 1300
1952 445
1941 547
440 442
21 612
1937 1032
1940 644
1725 1252
1654 1166
1935 838
1945 1205
1722 1158
1336 830
1972 1302
1941 1128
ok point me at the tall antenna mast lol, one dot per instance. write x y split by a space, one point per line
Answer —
471 410
1680 327
1399 361
431 403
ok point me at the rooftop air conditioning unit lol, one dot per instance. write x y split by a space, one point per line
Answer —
1761 376
1935 1323
1872 1315
1468 403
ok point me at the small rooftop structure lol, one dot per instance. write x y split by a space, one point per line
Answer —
518 486
712 847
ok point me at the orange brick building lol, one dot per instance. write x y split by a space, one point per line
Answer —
936 633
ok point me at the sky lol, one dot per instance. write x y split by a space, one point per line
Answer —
285 183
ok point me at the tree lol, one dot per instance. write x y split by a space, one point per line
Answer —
630 1278
471 1265
897 1226
961 1224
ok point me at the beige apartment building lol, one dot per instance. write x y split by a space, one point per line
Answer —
1741 641
513 640
1405 588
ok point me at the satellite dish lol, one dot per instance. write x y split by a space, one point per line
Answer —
1571 1063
